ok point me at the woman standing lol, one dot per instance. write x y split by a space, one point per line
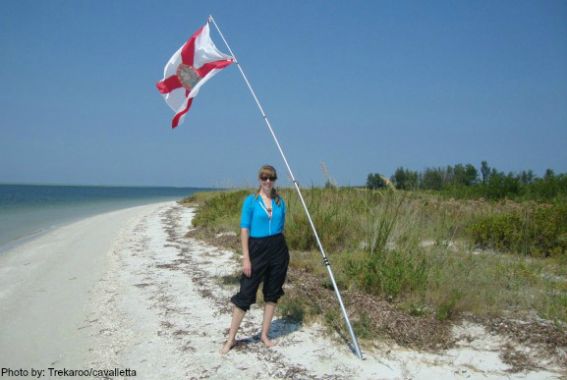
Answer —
265 256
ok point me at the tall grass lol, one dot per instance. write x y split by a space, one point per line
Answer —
414 249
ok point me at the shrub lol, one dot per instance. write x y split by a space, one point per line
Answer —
540 231
225 205
388 273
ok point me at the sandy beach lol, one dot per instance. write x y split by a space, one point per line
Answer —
127 291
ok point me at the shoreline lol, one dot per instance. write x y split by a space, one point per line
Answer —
89 210
129 290
45 285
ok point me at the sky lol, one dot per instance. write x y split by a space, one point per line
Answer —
361 86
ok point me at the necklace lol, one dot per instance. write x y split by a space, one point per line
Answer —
264 205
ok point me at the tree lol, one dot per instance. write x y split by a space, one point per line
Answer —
405 179
471 175
527 177
433 179
485 171
375 181
461 175
500 185
549 175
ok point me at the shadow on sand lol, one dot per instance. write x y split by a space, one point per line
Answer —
280 328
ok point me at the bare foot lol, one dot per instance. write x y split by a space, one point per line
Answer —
227 346
267 342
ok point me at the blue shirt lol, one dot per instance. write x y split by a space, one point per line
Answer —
256 219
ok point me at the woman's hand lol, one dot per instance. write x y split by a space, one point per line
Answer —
246 266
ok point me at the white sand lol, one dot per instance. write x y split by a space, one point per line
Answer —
45 288
126 289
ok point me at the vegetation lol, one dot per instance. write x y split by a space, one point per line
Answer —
536 230
375 181
463 181
426 255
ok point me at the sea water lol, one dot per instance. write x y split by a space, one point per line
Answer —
27 211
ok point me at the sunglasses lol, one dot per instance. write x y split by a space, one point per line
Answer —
271 178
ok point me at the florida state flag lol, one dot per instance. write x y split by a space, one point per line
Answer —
197 61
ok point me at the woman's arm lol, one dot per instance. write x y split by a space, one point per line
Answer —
246 265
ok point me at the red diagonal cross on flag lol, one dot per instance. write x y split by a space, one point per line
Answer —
197 61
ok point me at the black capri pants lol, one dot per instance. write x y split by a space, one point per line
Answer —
269 258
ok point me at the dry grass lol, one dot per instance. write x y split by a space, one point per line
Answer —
404 262
371 317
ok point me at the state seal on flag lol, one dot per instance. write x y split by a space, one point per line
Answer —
188 76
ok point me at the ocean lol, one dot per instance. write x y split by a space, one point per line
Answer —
27 211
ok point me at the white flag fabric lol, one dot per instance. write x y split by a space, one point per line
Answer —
197 61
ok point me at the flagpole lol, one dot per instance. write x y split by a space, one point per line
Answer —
296 185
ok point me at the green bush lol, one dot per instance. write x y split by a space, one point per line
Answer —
539 231
224 205
388 273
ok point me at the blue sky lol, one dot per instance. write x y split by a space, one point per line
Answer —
364 86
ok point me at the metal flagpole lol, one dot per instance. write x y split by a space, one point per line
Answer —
295 183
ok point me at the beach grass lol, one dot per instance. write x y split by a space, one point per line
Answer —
425 255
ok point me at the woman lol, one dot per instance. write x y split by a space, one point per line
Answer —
265 256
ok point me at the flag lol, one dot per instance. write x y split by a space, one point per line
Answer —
197 61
